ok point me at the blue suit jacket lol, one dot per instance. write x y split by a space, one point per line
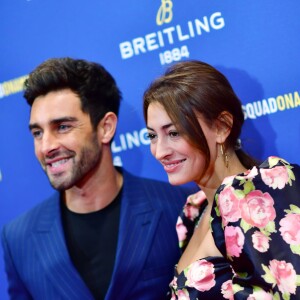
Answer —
38 265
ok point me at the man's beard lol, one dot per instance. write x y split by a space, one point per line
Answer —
89 157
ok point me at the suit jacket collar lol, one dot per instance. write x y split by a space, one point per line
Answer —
138 224
137 227
53 254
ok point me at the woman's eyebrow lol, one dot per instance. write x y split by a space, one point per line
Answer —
163 127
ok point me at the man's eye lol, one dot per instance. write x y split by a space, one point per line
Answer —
63 127
37 133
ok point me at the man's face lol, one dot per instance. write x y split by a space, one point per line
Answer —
65 143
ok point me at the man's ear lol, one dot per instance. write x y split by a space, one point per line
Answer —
107 127
224 124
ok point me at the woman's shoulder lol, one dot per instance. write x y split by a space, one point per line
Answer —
275 161
275 172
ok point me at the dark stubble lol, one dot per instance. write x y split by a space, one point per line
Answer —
83 163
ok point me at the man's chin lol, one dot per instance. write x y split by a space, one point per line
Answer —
60 185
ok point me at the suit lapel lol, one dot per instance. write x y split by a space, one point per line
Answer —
138 224
53 255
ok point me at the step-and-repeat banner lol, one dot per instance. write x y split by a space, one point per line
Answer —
254 43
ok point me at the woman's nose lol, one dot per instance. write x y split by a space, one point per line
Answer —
161 149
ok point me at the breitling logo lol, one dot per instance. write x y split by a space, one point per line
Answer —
165 13
169 36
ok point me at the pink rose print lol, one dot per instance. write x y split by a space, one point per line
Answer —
191 212
260 295
173 283
257 208
260 241
226 290
290 229
197 198
229 206
249 174
173 286
183 295
201 275
284 275
275 178
181 230
234 239
252 173
228 180
191 208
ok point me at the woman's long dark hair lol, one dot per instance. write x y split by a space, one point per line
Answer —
190 88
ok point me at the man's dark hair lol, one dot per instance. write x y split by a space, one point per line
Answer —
94 85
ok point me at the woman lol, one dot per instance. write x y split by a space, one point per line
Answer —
240 235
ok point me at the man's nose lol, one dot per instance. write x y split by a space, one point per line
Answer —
49 143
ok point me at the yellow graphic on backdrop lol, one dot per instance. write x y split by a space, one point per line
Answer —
12 86
165 13
272 105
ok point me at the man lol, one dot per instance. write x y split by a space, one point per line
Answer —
105 234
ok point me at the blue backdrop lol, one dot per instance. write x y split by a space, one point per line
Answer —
254 43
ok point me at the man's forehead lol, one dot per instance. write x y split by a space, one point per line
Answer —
56 106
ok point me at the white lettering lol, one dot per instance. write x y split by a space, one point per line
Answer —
265 107
126 50
117 161
129 140
132 139
204 25
257 108
160 39
144 137
250 111
191 29
115 148
169 31
139 45
180 36
170 35
216 21
151 42
272 105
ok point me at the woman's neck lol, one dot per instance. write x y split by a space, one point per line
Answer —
218 172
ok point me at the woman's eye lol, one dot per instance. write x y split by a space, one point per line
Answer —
150 136
173 134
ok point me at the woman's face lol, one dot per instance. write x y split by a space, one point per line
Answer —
182 161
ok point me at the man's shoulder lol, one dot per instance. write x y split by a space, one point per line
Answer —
157 185
28 218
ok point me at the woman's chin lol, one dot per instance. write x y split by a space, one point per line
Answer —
176 181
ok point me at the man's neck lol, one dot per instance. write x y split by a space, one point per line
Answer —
95 194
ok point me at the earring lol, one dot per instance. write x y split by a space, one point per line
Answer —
225 155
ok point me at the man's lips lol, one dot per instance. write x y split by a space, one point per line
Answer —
57 163
57 166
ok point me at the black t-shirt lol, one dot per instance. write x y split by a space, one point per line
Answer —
92 239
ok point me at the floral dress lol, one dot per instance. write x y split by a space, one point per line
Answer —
255 223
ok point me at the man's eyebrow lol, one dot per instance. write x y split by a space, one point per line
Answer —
33 126
54 121
163 127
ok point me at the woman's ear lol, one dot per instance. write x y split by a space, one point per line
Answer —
224 124
107 127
